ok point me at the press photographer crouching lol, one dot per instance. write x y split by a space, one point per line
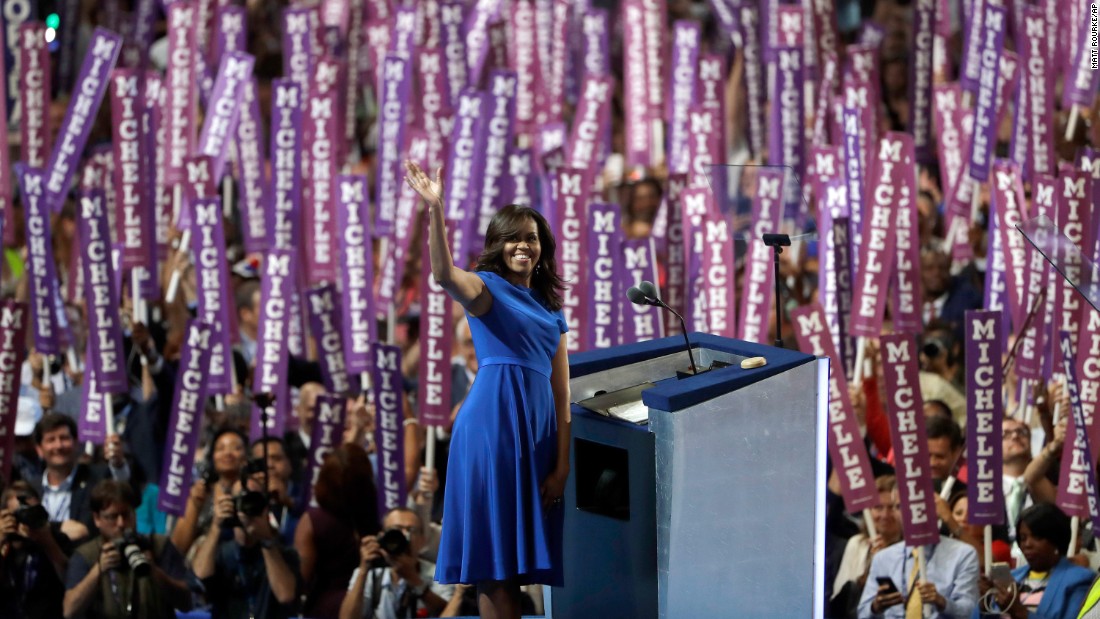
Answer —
119 573
391 582
245 568
33 556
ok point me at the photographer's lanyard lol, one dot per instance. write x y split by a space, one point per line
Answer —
249 595
113 578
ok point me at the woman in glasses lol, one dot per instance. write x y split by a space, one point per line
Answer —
1049 586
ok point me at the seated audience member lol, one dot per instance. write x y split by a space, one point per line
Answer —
252 573
950 591
328 536
391 580
120 574
1016 454
861 549
65 485
1049 585
223 468
284 510
33 556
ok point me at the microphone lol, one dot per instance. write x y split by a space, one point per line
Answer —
637 297
645 293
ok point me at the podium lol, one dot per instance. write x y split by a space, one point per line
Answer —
716 506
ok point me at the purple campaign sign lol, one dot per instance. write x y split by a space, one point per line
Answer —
1007 193
480 14
34 94
92 424
1035 57
991 46
676 283
758 293
230 31
498 138
822 107
604 240
905 281
224 109
324 323
276 296
635 84
99 60
1077 482
848 453
298 46
394 103
984 413
251 177
1073 199
995 292
684 68
134 211
7 227
639 323
854 173
525 63
212 275
181 112
920 80
596 46
463 170
718 276
42 277
13 349
359 310
754 78
185 425
284 200
330 414
435 103
392 267
436 345
905 415
453 43
1081 77
101 296
787 129
571 212
695 204
388 426
321 142
878 253
591 123
971 68
519 183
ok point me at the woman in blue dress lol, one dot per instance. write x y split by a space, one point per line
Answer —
509 455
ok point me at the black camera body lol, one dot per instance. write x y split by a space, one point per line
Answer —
394 542
32 516
251 503
133 547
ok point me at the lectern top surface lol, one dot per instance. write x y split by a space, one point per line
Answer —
672 394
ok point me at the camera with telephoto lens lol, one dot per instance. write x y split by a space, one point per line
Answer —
133 547
33 516
395 542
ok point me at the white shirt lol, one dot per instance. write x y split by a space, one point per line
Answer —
58 499
389 596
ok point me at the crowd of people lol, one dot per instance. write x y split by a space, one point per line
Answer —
81 534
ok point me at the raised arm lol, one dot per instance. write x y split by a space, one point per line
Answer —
463 286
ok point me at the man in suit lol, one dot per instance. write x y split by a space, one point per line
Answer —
65 485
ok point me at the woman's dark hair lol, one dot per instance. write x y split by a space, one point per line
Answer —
214 441
345 488
505 226
1046 521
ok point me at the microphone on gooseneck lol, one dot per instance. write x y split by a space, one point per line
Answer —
645 293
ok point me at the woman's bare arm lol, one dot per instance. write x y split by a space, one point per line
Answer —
461 285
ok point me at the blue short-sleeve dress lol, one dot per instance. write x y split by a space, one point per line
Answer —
503 445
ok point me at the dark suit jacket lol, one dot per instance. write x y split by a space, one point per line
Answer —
84 480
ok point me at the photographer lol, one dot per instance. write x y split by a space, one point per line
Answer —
251 574
33 556
391 582
121 574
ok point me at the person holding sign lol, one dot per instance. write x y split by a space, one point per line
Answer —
509 458
1050 585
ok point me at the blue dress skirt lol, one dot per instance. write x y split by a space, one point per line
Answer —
503 445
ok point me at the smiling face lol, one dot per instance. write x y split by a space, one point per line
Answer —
57 449
228 455
521 252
